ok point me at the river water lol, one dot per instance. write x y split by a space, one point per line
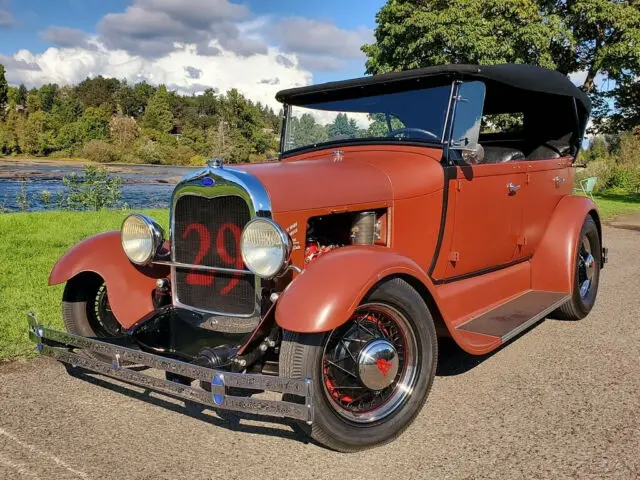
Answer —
145 186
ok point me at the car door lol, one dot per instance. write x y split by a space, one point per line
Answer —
546 182
487 219
483 223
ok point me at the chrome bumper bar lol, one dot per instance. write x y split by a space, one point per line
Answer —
61 346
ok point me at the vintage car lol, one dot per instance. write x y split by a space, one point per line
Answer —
442 207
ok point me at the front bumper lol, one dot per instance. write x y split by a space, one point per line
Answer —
68 348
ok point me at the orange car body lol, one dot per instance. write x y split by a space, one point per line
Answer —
458 235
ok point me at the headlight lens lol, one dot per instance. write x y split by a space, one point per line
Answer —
141 238
265 247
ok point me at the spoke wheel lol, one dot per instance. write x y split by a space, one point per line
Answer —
369 364
370 376
586 274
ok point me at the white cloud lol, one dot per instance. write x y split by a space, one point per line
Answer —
191 45
67 66
152 28
317 37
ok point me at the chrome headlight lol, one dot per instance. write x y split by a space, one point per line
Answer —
141 238
265 247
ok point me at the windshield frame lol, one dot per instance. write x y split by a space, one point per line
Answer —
366 141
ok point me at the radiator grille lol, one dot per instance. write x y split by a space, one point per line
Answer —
207 232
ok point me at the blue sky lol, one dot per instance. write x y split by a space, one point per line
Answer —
63 41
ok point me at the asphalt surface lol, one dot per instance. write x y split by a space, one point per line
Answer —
561 401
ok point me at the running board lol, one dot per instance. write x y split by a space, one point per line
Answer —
515 316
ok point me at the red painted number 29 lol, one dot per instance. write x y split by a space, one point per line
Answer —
200 278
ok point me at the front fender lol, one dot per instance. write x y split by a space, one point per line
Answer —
130 287
554 262
326 293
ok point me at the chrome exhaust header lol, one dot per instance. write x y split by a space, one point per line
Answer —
67 348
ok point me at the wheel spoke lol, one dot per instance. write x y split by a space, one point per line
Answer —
341 368
346 347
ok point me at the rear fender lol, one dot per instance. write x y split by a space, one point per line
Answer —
554 262
130 287
326 293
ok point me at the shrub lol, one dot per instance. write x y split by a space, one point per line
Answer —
99 151
95 189
148 151
179 155
198 161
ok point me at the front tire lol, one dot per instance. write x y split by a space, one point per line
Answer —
586 277
86 310
370 376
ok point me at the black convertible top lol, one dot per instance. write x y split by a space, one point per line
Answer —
528 78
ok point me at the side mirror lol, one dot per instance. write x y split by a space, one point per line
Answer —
471 153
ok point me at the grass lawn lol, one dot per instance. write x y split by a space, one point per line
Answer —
30 244
613 204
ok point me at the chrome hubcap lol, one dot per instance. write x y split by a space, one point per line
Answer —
378 364
586 267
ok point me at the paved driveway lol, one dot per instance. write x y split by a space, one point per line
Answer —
561 401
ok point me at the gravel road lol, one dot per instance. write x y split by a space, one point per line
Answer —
561 401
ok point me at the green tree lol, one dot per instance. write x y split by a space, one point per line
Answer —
342 127
597 37
413 34
626 114
94 92
4 90
133 100
21 98
304 131
47 95
32 140
95 124
33 103
157 115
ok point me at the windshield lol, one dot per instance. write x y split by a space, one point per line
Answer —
415 115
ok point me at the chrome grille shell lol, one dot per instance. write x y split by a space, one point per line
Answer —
227 181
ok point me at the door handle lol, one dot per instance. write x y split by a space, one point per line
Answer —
558 180
513 188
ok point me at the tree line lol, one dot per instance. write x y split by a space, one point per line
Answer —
108 120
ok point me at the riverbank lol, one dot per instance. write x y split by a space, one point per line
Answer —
31 169
30 244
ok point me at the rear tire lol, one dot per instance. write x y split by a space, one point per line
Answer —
306 356
588 261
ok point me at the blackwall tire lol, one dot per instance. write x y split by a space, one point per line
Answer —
579 305
302 356
79 297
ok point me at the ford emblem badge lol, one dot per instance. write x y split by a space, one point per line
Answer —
208 181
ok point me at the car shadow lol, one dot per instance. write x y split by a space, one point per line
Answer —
452 360
219 418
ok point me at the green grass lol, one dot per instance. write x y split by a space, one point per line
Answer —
30 244
612 205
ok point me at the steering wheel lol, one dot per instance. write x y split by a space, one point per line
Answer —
426 133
